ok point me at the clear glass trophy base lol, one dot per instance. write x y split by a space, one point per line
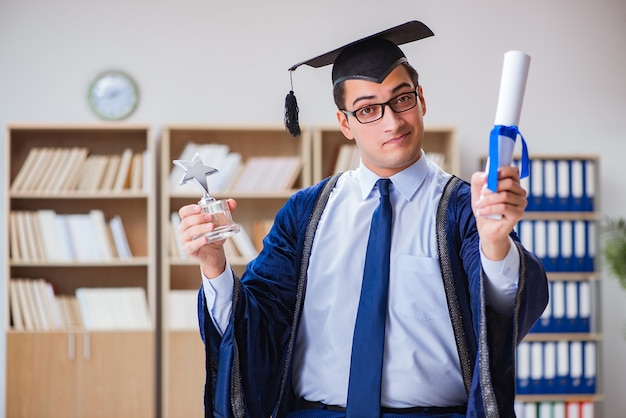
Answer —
222 219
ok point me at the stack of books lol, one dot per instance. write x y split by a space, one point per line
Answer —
45 236
54 170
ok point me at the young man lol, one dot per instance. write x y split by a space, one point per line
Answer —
459 291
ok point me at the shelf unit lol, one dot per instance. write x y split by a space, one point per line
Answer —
591 276
98 373
328 140
183 351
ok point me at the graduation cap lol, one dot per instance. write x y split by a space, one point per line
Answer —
371 58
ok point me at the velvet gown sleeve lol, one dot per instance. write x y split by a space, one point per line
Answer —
492 338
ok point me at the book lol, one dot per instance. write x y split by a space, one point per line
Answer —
114 308
25 170
15 305
136 172
119 238
101 236
35 236
55 168
82 235
244 244
110 173
14 240
175 237
75 171
182 309
123 175
26 304
53 252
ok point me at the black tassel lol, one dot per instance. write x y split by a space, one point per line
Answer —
291 115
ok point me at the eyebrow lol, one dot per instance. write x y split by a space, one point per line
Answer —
395 90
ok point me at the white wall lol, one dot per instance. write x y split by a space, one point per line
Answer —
225 62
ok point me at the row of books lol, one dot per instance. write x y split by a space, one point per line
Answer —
556 367
182 311
53 170
561 245
569 308
557 409
561 185
34 306
44 235
241 244
255 174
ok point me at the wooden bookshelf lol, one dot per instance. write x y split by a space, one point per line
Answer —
99 373
183 352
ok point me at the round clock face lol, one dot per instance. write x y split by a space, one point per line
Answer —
113 95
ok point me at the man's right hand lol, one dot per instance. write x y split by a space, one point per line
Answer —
194 223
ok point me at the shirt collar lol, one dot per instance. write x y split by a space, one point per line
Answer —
406 181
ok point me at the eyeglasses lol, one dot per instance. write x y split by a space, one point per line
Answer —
373 112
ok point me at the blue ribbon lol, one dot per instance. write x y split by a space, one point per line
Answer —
509 132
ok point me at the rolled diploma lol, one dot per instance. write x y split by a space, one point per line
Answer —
509 109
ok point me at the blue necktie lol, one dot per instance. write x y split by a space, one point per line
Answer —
369 331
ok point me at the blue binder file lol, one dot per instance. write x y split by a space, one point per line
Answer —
588 185
576 367
577 180
566 240
549 185
523 368
536 197
564 185
589 368
562 367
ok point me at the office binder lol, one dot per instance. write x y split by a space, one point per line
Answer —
580 246
541 242
536 367
553 253
523 368
590 242
589 367
584 306
576 367
549 186
564 185
566 241
577 181
549 367
562 367
588 185
536 196
558 306
571 307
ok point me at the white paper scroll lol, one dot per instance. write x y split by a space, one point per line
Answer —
508 111
510 99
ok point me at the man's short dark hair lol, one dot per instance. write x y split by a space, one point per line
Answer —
339 92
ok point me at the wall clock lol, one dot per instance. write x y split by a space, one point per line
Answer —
113 95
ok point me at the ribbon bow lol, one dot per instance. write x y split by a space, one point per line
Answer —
509 132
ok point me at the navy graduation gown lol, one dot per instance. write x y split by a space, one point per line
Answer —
248 369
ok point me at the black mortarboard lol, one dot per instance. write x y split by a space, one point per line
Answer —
371 58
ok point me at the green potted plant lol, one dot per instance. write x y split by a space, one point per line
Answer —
614 233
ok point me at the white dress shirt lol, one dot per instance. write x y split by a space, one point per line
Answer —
421 364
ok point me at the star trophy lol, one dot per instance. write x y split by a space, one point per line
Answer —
198 172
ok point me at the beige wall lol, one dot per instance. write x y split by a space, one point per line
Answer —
225 62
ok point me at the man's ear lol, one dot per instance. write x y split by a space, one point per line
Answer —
344 125
422 100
